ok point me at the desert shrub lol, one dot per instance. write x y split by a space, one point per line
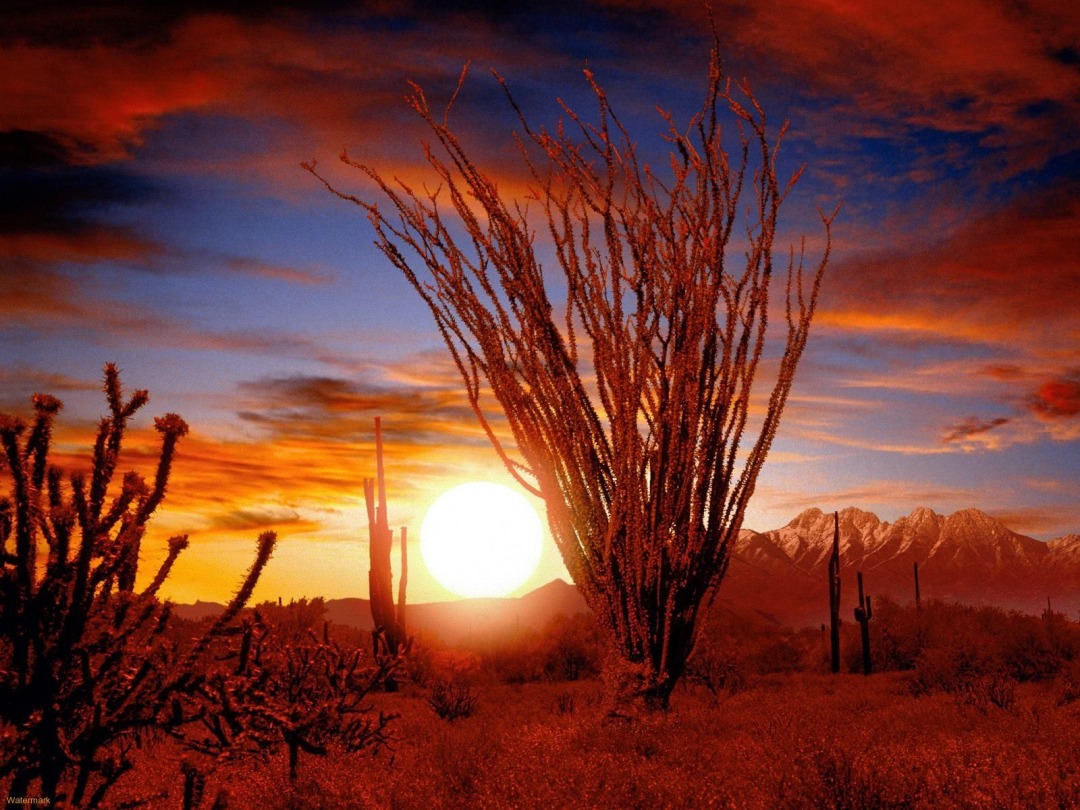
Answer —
571 647
827 775
513 657
296 620
967 639
452 699
280 689
784 652
1027 651
565 703
1068 685
722 672
420 666
452 664
735 651
949 669
991 689
567 648
897 636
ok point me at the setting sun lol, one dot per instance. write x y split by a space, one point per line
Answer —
481 539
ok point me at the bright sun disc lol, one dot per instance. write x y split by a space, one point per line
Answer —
481 539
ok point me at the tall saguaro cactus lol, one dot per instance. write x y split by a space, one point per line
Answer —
863 614
388 635
918 593
834 595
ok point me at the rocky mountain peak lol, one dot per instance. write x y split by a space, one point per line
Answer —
814 523
924 516
1069 541
810 519
1066 549
968 556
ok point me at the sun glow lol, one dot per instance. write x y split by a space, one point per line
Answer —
481 539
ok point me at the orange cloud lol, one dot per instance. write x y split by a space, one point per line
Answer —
313 88
1009 277
296 275
1005 73
304 484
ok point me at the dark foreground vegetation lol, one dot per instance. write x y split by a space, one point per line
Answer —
968 708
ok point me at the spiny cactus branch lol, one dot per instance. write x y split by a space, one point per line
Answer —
85 663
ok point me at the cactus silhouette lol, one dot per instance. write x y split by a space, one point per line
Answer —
389 636
85 662
863 614
834 595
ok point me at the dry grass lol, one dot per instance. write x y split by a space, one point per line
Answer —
791 741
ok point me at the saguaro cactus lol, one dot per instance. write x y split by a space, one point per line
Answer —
388 636
863 614
834 595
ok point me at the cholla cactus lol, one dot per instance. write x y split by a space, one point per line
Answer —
286 689
85 662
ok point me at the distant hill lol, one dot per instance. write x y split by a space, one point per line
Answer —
452 622
780 576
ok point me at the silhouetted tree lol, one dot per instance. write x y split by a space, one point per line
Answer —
638 453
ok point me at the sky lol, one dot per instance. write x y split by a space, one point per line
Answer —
156 215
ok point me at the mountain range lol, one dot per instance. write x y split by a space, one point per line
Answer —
781 575
967 556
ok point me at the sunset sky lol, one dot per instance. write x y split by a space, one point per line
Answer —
155 215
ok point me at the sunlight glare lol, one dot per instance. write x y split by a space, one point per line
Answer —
481 539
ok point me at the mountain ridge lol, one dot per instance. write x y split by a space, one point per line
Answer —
965 556
781 574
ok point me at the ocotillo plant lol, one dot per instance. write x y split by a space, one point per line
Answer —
85 662
834 595
863 614
389 636
640 444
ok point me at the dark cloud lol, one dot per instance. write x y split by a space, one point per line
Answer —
57 198
53 214
83 23
261 519
972 427
338 410
19 382
21 149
